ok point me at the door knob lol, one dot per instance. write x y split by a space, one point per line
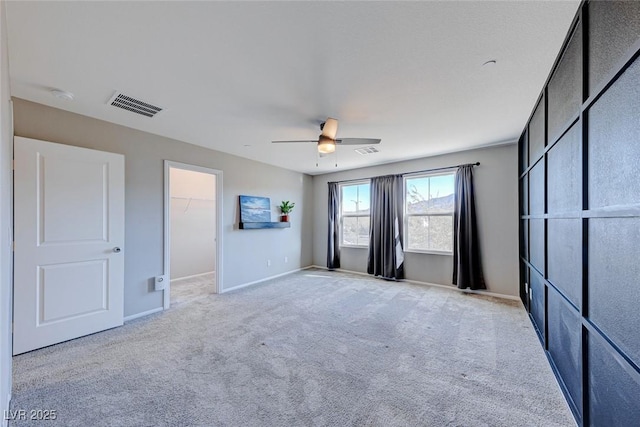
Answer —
117 249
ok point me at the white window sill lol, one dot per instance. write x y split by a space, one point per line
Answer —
355 246
418 251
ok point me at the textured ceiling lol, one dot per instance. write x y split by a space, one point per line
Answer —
235 75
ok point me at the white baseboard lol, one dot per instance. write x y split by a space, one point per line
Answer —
244 285
193 275
144 313
465 291
416 282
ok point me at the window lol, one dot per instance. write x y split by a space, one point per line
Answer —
428 209
354 214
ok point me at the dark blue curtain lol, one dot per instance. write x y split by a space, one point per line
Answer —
467 269
386 256
333 243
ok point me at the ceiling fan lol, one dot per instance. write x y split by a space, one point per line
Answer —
327 140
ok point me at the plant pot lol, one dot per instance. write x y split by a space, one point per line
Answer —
284 218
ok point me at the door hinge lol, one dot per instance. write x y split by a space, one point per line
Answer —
13 164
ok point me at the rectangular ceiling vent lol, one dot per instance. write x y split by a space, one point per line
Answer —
134 105
366 150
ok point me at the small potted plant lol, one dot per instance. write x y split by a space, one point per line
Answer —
286 207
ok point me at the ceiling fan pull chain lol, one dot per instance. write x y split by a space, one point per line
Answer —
336 157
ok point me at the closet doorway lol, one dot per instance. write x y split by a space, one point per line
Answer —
192 240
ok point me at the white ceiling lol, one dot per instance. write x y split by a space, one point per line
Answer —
235 75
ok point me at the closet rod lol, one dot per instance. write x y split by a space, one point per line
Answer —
192 198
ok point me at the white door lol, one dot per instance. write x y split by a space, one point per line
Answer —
69 243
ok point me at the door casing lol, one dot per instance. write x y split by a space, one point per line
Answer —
168 165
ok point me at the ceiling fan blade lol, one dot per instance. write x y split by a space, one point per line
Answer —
286 142
358 141
330 128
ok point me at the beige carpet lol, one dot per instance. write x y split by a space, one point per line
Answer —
310 349
184 291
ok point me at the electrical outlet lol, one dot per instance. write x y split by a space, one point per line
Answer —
286 259
159 283
268 263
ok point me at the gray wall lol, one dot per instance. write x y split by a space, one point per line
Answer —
193 223
245 252
6 185
496 202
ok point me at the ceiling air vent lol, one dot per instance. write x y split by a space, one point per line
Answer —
366 150
134 105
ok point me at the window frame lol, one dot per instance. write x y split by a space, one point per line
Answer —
343 215
406 215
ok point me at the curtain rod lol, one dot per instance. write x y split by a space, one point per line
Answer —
410 173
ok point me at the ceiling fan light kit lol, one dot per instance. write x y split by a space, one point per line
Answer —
326 145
